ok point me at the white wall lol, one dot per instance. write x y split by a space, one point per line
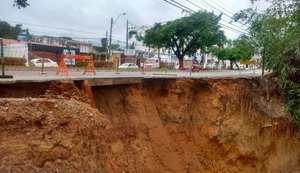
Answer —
16 51
85 48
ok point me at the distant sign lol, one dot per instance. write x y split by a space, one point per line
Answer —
24 35
248 62
69 61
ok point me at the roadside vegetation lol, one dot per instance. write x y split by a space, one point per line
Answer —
276 36
273 34
186 35
8 31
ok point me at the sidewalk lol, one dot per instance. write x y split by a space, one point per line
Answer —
33 74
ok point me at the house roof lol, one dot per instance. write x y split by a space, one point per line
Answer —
10 41
68 40
36 43
33 46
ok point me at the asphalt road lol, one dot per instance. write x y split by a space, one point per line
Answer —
74 74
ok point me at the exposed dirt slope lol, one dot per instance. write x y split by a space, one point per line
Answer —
200 126
39 135
159 126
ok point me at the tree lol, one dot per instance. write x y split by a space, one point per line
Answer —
21 3
268 29
276 33
137 35
132 46
99 49
131 33
8 31
115 47
186 35
241 49
104 43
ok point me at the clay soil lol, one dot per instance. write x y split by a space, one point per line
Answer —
200 125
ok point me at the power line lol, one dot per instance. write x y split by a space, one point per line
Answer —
227 6
176 6
230 15
212 7
167 6
58 34
223 25
53 27
183 6
222 7
232 29
195 5
221 12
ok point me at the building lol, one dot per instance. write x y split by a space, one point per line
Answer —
15 49
10 41
53 52
84 47
30 50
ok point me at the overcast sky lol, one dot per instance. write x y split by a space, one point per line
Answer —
90 19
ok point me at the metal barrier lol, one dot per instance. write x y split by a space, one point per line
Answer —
62 67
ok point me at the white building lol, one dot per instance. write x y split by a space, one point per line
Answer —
84 47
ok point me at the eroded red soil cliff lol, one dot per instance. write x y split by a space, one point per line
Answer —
199 125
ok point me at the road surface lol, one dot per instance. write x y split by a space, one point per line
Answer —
35 75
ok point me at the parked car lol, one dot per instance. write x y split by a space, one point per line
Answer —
128 66
47 62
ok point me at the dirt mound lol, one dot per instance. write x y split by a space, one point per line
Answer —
42 135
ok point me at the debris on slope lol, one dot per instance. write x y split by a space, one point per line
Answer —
52 136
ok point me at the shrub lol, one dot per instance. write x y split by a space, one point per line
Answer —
97 64
14 61
81 63
102 64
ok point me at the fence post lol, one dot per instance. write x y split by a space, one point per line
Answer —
2 61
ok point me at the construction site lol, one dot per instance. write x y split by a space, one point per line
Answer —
149 125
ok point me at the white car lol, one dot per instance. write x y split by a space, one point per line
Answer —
47 62
128 66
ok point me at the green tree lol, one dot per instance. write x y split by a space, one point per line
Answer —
268 29
132 46
137 35
104 43
8 31
99 49
186 35
21 3
131 33
276 33
241 49
115 47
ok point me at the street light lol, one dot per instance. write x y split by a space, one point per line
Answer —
112 23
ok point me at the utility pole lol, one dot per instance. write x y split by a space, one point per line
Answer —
110 35
127 35
106 49
112 23
2 58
